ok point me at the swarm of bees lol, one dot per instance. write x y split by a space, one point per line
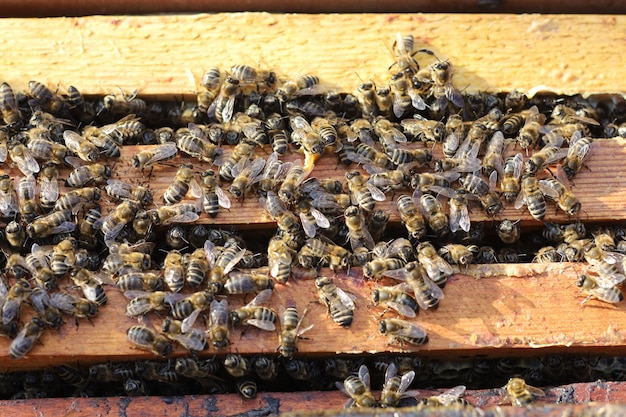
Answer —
63 249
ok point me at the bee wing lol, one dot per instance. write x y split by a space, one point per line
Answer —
222 198
164 151
314 90
299 122
193 341
229 266
345 299
364 375
131 294
400 274
320 219
391 371
72 140
49 189
454 95
219 313
520 201
405 381
211 252
377 193
227 111
196 190
436 265
74 161
416 99
114 231
63 301
3 151
27 163
186 217
402 309
262 324
189 321
261 298
65 227
459 218
547 190
410 330
309 227
535 391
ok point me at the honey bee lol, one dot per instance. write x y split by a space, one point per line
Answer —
311 142
437 268
395 387
255 314
512 171
358 389
369 156
608 265
26 195
403 53
120 190
427 292
222 263
577 152
266 368
357 231
384 100
239 282
23 158
243 150
459 212
189 307
529 133
339 303
176 213
411 217
178 188
158 153
388 134
47 181
397 298
565 198
91 284
143 302
45 98
63 257
44 149
600 289
458 254
289 189
542 158
325 129
224 104
195 369
56 222
290 331
78 144
26 338
247 388
403 331
218 324
367 98
455 131
113 224
246 174
449 397
363 193
140 281
146 338
75 199
377 267
189 338
432 209
493 159
79 307
489 199
520 393
532 196
15 295
337 256
508 231
444 91
237 365
213 196
82 175
280 258
15 234
11 114
424 129
173 271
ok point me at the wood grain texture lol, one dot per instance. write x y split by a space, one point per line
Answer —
99 54
574 399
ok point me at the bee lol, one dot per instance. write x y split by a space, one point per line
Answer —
26 338
120 190
15 295
339 303
367 98
193 141
246 174
189 338
223 263
541 159
493 159
529 133
411 217
146 338
82 175
395 387
211 80
63 257
601 289
158 153
246 387
218 324
407 94
577 152
489 199
176 213
26 195
289 189
124 104
45 98
237 365
369 156
243 150
47 180
223 105
79 307
107 143
195 369
565 199
15 234
140 281
78 144
459 212
266 368
458 254
448 398
173 271
424 129
56 222
427 292
608 265
290 331
325 129
510 183
91 284
377 267
403 331
81 109
23 158
362 192
388 134
11 114
455 131
191 305
244 282
397 298
75 199
437 268
358 389
532 196
311 142
44 149
384 100
143 302
408 159
520 393
213 196
178 188
387 181
432 209
403 53
337 256
254 314
508 231
113 224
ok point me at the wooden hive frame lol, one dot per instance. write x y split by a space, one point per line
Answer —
510 311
